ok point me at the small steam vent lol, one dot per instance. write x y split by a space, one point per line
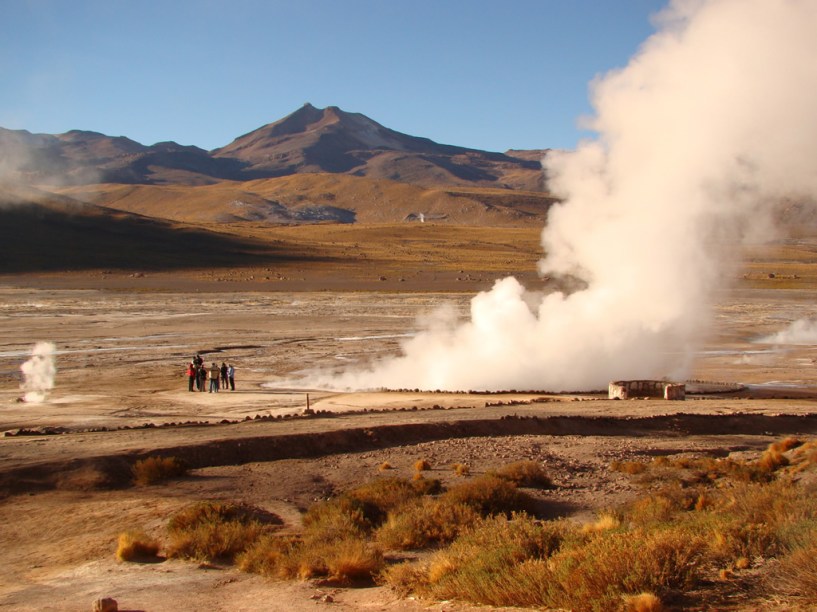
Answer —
641 389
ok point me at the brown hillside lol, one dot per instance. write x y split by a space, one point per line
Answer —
40 232
310 198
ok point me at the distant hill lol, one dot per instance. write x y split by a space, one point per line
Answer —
310 140
47 232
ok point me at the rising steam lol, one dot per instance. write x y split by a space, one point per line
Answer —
710 125
39 373
801 332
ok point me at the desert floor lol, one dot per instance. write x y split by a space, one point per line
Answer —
121 354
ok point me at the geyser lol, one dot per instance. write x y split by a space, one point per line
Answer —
709 126
39 373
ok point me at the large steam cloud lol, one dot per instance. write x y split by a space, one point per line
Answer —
709 126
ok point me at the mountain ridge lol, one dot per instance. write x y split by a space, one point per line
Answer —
309 140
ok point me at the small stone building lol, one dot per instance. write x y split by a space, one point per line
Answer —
631 389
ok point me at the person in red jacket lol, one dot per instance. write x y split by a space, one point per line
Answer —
191 376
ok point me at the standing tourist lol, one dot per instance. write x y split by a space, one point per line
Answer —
231 376
223 375
202 377
191 375
215 373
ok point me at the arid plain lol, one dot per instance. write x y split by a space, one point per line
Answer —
123 339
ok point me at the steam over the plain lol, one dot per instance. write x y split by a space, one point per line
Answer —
710 125
39 372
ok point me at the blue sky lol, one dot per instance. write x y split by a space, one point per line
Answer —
477 73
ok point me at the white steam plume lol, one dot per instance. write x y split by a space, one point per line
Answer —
39 373
709 126
800 332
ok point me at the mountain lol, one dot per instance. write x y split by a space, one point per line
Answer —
310 140
330 140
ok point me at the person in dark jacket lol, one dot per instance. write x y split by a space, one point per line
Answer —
223 375
202 378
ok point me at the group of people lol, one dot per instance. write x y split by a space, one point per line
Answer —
220 377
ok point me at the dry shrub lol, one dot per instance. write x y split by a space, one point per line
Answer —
403 578
136 546
643 602
786 444
379 497
210 531
597 574
353 560
629 467
461 469
524 474
422 465
771 460
489 495
271 555
337 519
796 573
661 506
356 512
481 564
605 522
423 523
734 540
348 559
157 469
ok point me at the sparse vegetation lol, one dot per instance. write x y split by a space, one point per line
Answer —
707 520
210 531
153 470
704 522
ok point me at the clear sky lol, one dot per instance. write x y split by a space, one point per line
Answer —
486 74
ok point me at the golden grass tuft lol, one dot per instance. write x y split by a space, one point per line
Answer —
772 460
422 465
524 474
153 470
136 546
643 602
461 469
629 467
385 466
605 522
786 444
